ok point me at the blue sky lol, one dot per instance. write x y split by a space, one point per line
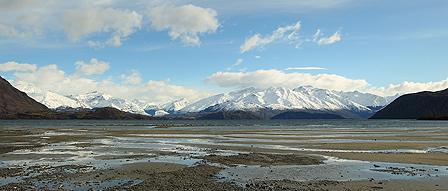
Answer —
402 43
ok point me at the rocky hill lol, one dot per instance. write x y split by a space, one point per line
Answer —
422 105
14 101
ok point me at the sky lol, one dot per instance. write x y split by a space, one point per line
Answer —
160 51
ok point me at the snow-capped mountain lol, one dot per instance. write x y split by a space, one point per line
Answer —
167 108
275 98
249 99
155 110
175 106
97 99
367 99
50 99
90 100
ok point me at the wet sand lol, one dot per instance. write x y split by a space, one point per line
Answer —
264 159
189 158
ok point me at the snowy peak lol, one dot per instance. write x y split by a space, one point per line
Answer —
175 106
50 99
89 100
249 99
278 98
99 100
367 99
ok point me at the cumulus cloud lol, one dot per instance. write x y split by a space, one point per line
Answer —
79 23
317 37
184 22
289 33
52 78
277 78
93 67
16 67
132 78
34 19
306 68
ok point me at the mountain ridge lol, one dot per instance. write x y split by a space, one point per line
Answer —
255 100
421 105
14 101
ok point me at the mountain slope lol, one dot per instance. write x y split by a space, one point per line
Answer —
96 114
366 99
14 101
89 100
99 100
50 99
427 105
302 98
175 106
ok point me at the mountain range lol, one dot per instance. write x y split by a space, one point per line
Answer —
15 104
263 103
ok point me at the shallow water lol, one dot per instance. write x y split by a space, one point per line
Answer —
224 124
334 169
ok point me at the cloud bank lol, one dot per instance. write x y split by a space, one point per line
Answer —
16 67
306 68
278 78
129 86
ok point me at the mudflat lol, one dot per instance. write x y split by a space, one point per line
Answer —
226 158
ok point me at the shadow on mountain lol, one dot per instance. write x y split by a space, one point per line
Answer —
423 105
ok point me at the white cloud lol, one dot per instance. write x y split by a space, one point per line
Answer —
10 31
35 19
238 62
267 6
16 67
277 78
269 78
25 19
93 67
306 68
409 87
46 77
51 78
317 37
162 91
132 78
288 33
184 22
79 23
